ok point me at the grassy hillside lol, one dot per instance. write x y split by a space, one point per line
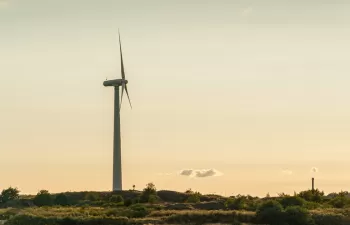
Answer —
150 206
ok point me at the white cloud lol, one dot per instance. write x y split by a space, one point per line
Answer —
200 173
314 169
186 172
247 11
287 172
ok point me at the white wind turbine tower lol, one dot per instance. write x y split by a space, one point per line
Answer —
117 162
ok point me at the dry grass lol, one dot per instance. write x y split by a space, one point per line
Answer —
322 216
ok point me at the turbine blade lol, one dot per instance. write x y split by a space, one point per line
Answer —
127 93
121 98
121 57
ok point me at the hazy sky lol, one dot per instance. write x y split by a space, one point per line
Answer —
258 90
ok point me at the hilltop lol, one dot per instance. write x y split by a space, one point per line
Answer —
152 206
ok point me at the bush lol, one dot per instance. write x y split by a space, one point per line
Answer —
136 200
296 215
137 211
153 199
149 190
242 202
12 204
194 198
61 199
313 196
270 212
116 199
327 219
92 197
230 201
339 201
236 203
43 198
292 201
128 202
312 205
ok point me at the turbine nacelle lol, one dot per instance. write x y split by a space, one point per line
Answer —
116 82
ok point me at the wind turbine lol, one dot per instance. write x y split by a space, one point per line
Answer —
117 161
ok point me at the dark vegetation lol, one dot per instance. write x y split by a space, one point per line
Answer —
150 206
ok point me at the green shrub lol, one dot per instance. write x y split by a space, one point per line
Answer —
296 215
270 212
128 202
236 203
194 198
61 199
291 201
137 211
116 199
153 199
339 201
311 205
92 196
15 203
312 195
43 198
229 201
136 200
149 190
241 202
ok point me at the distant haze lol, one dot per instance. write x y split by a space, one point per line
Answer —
258 90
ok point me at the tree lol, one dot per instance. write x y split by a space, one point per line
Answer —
61 199
43 198
9 194
133 187
149 190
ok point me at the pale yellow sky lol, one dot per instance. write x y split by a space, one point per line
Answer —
257 91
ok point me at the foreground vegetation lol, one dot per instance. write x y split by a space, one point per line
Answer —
168 207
